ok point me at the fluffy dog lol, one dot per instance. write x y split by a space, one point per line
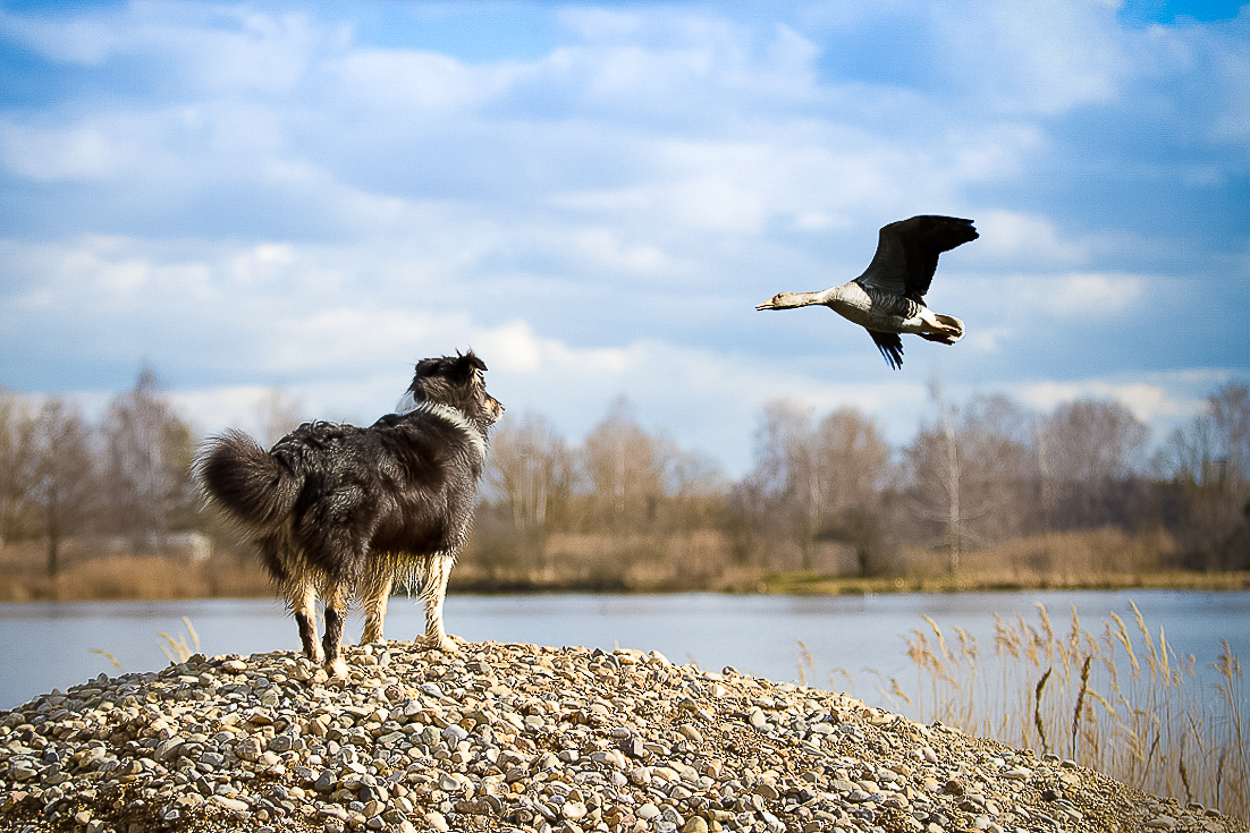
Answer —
337 509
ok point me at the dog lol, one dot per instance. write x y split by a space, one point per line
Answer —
338 510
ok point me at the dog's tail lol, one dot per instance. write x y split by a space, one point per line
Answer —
254 487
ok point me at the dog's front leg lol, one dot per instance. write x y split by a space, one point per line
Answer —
302 596
435 591
336 613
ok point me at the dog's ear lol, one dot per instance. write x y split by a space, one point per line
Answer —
468 362
462 366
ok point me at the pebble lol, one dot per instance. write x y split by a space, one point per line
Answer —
524 739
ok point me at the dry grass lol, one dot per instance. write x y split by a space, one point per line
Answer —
177 650
127 577
624 563
1122 702
814 584
1091 559
700 559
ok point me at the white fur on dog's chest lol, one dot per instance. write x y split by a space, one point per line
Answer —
408 404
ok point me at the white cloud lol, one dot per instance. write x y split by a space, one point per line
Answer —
1211 65
213 46
1149 401
1055 300
1014 237
50 154
212 411
81 40
603 247
1048 59
289 203
695 59
414 85
1097 293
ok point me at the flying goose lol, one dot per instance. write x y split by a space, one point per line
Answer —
888 298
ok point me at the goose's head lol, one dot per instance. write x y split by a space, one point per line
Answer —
785 300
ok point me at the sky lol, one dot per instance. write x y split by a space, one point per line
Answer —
310 197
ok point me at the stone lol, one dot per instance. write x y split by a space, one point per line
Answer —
524 738
230 803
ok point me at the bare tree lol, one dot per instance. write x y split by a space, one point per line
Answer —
1206 461
17 466
820 481
66 479
1190 454
935 463
694 486
147 465
971 473
782 494
1090 440
624 468
533 472
997 450
780 446
1089 449
1229 407
853 457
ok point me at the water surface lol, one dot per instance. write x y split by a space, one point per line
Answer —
52 645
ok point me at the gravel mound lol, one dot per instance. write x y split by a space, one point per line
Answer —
504 737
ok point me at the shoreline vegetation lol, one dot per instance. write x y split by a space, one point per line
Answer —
1118 699
1106 559
991 495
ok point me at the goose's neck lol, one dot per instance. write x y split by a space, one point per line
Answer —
840 297
825 297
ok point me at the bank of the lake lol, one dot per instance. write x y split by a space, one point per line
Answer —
817 584
514 737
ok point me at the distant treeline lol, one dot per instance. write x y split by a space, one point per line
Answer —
627 509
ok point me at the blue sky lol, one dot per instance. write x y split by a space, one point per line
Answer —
313 196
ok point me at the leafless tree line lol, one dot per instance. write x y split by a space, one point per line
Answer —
125 478
975 474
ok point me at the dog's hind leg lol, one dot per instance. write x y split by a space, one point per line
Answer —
437 571
377 590
335 595
302 596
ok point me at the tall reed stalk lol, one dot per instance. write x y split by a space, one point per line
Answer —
177 650
1123 703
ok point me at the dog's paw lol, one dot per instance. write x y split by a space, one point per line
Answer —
337 669
445 643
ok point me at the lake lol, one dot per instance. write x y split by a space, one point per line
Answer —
51 645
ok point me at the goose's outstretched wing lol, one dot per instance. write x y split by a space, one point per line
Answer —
907 253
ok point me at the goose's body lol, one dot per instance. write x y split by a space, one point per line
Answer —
888 298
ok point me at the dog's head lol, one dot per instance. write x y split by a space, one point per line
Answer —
455 381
